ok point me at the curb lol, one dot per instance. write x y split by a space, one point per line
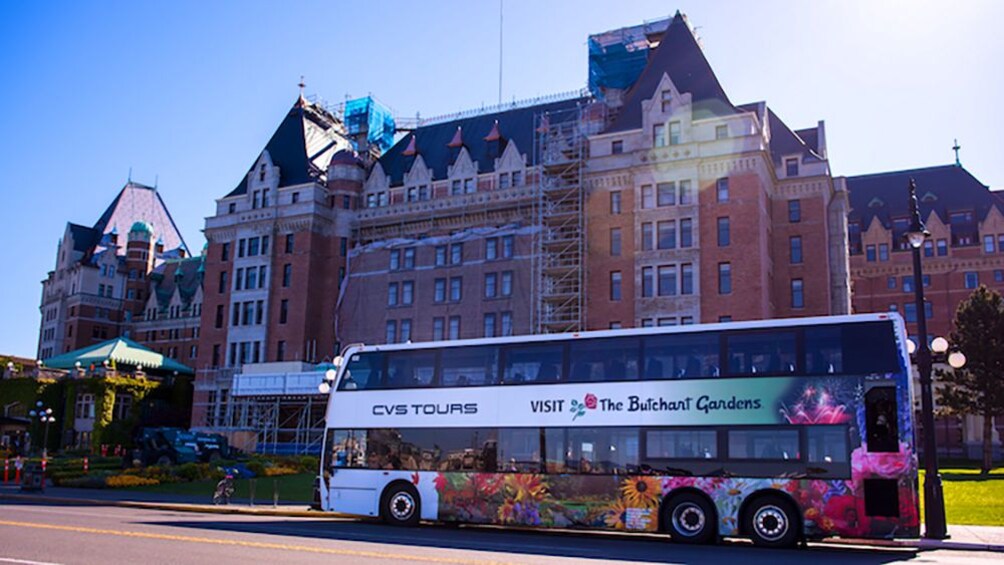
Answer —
918 544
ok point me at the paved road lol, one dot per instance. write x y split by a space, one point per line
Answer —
46 533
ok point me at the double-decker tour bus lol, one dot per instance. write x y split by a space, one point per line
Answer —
773 430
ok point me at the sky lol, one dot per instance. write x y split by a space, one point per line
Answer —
185 94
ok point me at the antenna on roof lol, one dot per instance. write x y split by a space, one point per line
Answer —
130 174
302 85
956 148
500 52
156 181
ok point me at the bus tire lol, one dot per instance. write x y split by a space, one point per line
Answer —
400 505
772 521
689 518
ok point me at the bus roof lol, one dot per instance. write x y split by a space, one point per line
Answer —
658 330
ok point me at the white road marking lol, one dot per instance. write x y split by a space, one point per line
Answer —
25 561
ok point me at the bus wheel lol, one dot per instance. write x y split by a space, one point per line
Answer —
772 521
400 505
689 518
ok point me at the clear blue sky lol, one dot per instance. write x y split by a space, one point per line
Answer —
189 92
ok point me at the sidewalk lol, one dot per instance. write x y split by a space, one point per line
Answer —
963 538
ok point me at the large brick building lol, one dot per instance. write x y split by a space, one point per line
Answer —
650 199
130 274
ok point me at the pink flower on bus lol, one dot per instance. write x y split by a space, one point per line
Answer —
865 464
590 401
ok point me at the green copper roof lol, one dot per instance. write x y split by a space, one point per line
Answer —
121 351
141 227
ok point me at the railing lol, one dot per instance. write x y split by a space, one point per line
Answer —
276 384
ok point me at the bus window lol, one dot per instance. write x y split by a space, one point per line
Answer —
534 363
604 360
824 350
603 450
470 366
827 444
681 356
681 444
881 427
756 353
874 348
519 450
557 452
364 371
774 444
467 449
348 448
410 369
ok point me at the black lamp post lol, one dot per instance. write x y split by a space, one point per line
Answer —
45 417
934 497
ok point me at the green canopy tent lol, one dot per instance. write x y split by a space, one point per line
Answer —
122 353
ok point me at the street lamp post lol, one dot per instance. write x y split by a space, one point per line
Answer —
934 498
44 416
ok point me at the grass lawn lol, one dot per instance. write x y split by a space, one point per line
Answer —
971 498
292 488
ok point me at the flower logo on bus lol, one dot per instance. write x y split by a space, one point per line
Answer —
579 408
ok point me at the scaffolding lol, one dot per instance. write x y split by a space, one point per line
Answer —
617 57
559 276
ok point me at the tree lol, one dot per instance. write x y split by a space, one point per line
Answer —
978 388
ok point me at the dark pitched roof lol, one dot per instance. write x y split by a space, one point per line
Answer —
288 146
139 202
783 141
84 238
811 138
679 56
165 279
516 125
942 189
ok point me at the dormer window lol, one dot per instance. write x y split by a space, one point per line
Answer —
261 173
517 178
232 208
791 167
423 192
659 135
721 132
504 180
667 100
412 194
469 186
383 199
456 188
264 198
617 147
674 133
255 199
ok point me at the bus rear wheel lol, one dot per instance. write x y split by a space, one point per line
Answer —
400 505
772 521
689 518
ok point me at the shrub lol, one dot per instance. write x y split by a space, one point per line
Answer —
91 481
257 467
125 481
279 470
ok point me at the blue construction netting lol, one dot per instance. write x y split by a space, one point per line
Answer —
368 115
617 57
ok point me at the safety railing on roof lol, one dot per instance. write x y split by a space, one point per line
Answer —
514 105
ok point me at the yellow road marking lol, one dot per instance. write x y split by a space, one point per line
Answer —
254 544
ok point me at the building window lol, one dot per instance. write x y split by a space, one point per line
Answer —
647 236
225 251
665 194
870 253
219 315
723 232
290 241
287 275
686 233
797 294
910 312
508 246
616 147
395 259
890 283
438 325
972 279
794 211
615 202
791 167
391 332
343 246
647 196
469 186
659 135
724 319
280 351
667 100
722 189
908 284
795 249
405 336
409 258
491 248
456 253
1000 243
687 278
615 325
517 178
615 285
503 180
506 283
662 322
883 252
454 327
456 287
439 290
223 282
456 188
491 285
283 310
674 133
928 248
667 280
440 255
489 325
999 275
988 244
647 282
407 293
85 406
615 242
942 247
506 324
392 293
686 192
667 234
724 278
721 132
232 208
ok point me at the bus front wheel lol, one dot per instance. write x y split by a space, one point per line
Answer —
772 521
400 505
689 518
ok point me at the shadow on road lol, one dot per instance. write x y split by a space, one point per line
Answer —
580 545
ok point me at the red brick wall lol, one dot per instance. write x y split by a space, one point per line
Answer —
814 269
601 311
